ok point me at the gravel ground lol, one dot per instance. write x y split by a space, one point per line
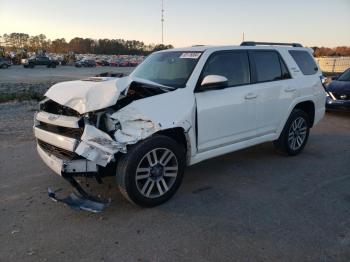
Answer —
251 205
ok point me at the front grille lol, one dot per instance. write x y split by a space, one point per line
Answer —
52 107
58 152
341 96
75 133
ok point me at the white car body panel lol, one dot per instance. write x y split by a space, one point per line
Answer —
225 117
85 95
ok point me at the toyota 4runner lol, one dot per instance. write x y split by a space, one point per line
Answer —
179 107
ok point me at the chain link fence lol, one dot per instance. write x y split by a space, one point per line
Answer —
333 64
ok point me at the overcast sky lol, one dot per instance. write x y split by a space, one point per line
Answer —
187 22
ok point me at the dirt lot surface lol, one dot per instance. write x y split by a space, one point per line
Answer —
251 205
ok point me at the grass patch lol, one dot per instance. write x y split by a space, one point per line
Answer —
21 96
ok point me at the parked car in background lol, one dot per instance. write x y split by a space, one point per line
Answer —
85 63
4 63
113 62
124 64
338 92
102 63
40 60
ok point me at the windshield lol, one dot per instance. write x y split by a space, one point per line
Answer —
345 76
168 68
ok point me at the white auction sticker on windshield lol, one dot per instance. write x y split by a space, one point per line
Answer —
190 55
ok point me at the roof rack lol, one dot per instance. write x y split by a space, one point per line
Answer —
252 43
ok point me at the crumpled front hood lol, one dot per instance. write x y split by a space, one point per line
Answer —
88 95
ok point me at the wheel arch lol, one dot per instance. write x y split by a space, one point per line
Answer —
180 136
309 108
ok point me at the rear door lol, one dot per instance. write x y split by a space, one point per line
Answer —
274 87
228 115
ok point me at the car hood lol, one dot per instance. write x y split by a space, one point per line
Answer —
88 95
339 87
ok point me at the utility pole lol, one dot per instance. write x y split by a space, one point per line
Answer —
162 20
243 37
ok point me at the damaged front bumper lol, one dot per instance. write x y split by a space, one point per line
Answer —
60 166
74 145
57 151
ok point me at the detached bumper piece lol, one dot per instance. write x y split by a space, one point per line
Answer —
77 202
80 200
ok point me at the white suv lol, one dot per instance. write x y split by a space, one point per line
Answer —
177 108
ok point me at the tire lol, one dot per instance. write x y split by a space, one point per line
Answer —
146 182
295 134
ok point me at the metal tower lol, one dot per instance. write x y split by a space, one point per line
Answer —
162 20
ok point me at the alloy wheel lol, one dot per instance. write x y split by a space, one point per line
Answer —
156 172
297 133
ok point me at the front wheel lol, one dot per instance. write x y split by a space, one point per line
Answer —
295 134
152 171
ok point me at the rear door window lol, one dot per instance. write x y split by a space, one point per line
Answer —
305 61
267 66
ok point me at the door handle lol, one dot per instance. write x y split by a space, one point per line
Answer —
250 96
290 89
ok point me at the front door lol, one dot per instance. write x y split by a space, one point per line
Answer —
226 116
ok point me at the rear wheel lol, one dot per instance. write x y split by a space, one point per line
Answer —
152 171
295 134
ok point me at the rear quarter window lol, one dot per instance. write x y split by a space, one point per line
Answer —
305 61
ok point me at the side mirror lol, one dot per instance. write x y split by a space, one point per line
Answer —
214 81
335 77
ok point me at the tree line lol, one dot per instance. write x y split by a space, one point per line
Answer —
336 51
22 41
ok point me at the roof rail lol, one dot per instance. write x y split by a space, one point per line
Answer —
252 43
